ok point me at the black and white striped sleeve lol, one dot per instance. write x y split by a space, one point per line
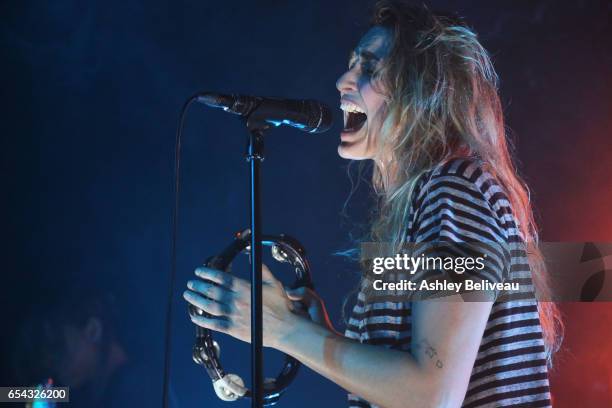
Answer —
454 221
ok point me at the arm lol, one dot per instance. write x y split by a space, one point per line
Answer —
446 336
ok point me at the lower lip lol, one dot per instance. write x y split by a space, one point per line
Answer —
344 135
347 137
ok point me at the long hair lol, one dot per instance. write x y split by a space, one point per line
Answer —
443 102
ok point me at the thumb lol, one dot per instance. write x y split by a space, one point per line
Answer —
297 293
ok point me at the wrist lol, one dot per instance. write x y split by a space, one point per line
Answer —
299 330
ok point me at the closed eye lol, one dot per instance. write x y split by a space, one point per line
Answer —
367 59
369 69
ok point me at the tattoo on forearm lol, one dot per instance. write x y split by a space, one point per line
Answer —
430 352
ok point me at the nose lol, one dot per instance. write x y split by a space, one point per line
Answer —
347 82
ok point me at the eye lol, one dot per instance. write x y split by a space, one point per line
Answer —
369 68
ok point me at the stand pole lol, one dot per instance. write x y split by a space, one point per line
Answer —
255 157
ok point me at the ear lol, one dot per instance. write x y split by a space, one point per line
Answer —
94 329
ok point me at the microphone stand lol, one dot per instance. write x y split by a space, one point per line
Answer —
255 155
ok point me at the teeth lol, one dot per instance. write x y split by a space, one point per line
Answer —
350 107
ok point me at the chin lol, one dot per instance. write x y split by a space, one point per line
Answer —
351 152
355 146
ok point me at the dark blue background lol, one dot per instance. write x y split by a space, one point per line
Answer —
90 98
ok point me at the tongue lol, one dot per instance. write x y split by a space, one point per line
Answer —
355 121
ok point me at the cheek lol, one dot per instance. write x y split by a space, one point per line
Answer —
374 100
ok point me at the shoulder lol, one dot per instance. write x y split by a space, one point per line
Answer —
462 209
469 175
463 193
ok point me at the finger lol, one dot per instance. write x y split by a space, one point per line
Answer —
215 275
209 306
220 325
303 294
297 293
211 290
301 299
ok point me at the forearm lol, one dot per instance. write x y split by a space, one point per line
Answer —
385 377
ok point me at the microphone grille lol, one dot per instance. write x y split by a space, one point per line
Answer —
215 100
322 117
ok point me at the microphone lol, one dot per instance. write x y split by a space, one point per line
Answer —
306 114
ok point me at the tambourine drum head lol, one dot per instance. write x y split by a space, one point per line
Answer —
285 258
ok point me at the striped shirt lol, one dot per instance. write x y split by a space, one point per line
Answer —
460 201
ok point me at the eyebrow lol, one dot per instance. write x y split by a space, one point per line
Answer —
365 54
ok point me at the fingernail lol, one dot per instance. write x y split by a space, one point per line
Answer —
190 284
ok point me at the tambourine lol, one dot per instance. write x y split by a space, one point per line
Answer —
206 351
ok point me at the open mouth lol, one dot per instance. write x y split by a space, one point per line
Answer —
354 117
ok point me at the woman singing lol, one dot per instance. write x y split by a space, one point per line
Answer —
420 101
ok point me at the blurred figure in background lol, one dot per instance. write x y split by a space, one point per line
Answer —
73 339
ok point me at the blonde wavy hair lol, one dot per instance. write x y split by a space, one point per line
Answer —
443 103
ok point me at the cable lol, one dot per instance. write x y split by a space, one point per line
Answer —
172 277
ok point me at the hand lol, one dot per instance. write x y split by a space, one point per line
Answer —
228 299
314 305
